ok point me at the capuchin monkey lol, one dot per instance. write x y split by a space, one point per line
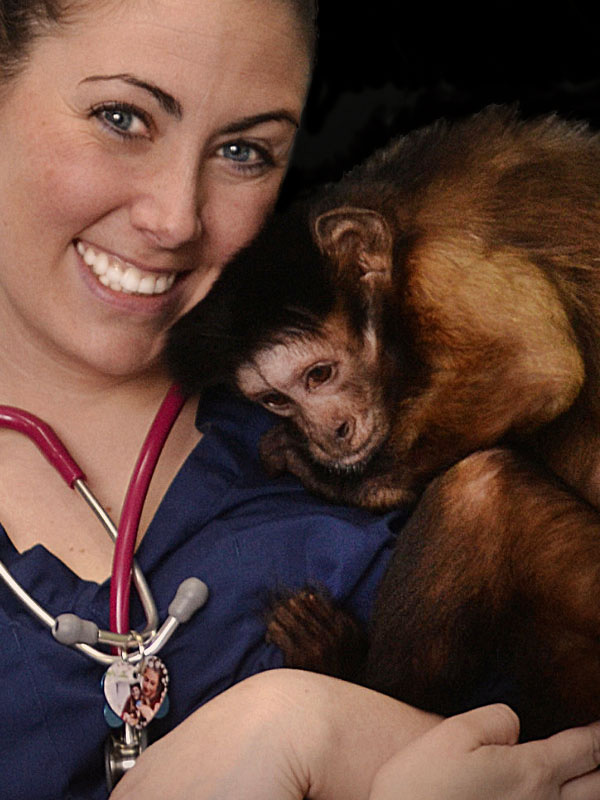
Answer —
428 328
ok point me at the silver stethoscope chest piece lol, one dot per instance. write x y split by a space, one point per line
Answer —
135 683
121 751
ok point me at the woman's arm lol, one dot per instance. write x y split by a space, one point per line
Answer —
281 735
285 735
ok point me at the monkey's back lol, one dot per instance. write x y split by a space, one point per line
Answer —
494 182
532 184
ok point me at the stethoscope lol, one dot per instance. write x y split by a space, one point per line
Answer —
131 651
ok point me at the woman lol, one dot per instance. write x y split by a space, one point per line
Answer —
144 142
149 140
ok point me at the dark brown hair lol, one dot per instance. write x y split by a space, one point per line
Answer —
22 20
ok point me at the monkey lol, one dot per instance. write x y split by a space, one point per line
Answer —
428 328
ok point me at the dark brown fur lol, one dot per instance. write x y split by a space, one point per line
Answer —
471 253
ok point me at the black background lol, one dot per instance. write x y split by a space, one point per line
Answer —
381 72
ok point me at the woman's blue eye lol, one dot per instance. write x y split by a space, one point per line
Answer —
238 152
123 120
119 118
247 157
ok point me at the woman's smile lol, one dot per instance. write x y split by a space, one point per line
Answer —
123 276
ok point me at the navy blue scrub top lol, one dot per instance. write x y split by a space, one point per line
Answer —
222 520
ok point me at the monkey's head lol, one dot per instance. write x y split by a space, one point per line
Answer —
293 324
329 380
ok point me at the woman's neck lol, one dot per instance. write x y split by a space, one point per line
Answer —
51 385
103 421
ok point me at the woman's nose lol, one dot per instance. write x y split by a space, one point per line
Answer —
166 207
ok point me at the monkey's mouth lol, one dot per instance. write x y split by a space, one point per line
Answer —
348 470
353 464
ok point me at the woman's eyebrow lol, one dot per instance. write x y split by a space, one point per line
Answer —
166 101
270 116
173 106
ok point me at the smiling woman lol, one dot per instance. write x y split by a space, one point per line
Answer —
143 142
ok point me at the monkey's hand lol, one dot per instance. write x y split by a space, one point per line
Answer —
314 634
282 449
277 448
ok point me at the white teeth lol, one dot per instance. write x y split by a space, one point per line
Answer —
161 284
131 279
114 273
100 266
89 257
147 284
121 277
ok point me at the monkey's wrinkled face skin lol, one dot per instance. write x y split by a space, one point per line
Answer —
327 385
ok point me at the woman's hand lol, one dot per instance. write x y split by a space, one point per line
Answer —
475 755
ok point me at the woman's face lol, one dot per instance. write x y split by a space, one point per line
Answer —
149 683
142 145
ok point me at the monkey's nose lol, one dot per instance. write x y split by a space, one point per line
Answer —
344 431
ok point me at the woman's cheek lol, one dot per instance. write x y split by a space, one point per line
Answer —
233 223
225 229
85 187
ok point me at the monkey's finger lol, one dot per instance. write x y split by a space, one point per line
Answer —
303 613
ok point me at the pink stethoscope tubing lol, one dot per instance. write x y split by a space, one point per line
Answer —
52 448
120 582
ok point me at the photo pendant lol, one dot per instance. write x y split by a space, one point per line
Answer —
136 692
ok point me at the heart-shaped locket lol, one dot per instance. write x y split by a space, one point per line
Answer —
135 692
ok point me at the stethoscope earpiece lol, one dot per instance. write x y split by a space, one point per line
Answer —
70 629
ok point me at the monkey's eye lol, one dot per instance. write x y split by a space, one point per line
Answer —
317 375
276 401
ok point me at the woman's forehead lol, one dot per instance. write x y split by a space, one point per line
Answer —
260 19
254 50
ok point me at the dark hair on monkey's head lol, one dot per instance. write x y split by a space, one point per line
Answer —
277 288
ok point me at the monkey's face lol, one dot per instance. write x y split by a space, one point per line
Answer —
327 384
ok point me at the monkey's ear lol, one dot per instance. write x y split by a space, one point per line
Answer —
357 238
